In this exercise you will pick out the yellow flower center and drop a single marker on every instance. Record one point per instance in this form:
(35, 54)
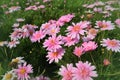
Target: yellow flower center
(76, 28)
(104, 26)
(22, 71)
(84, 72)
(8, 76)
(55, 54)
(112, 43)
(53, 30)
(15, 60)
(93, 31)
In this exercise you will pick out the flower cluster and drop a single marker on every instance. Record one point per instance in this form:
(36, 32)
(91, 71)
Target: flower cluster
(20, 72)
(104, 8)
(82, 71)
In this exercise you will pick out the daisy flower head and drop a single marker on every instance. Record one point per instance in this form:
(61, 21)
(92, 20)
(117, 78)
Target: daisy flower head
(18, 60)
(111, 44)
(89, 46)
(66, 18)
(55, 55)
(41, 7)
(14, 8)
(16, 25)
(41, 77)
(37, 36)
(53, 30)
(84, 71)
(92, 33)
(69, 41)
(23, 71)
(53, 43)
(66, 72)
(17, 34)
(20, 20)
(9, 75)
(104, 25)
(117, 21)
(77, 29)
(12, 43)
(28, 30)
(78, 51)
(45, 27)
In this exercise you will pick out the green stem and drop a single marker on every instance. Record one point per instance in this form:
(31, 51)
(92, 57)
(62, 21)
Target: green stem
(92, 59)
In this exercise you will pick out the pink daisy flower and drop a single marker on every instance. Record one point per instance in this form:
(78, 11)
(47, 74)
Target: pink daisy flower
(20, 20)
(34, 7)
(113, 44)
(66, 18)
(23, 71)
(53, 30)
(14, 8)
(78, 51)
(12, 44)
(55, 55)
(45, 27)
(41, 6)
(41, 77)
(104, 25)
(28, 30)
(84, 71)
(117, 21)
(66, 72)
(77, 29)
(106, 62)
(92, 33)
(69, 41)
(89, 46)
(37, 36)
(46, 1)
(16, 25)
(53, 43)
(17, 34)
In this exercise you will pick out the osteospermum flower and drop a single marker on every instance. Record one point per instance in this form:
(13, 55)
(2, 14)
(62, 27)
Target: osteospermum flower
(41, 77)
(77, 29)
(69, 41)
(37, 36)
(20, 20)
(55, 55)
(53, 43)
(92, 33)
(18, 60)
(14, 8)
(117, 21)
(113, 44)
(15, 25)
(89, 46)
(78, 51)
(104, 25)
(66, 18)
(23, 71)
(13, 44)
(17, 34)
(66, 72)
(28, 30)
(53, 30)
(84, 71)
(9, 75)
